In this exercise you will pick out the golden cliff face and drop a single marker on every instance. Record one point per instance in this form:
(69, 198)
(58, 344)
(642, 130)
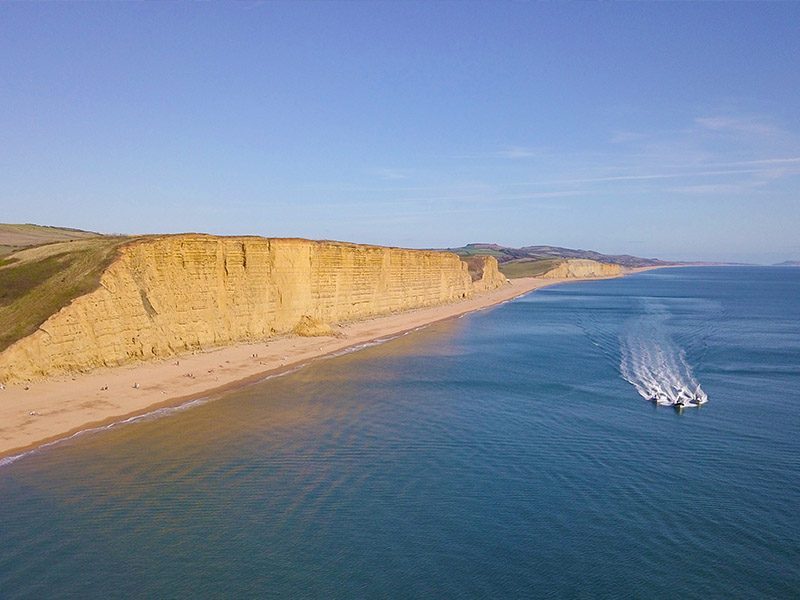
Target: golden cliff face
(580, 268)
(174, 294)
(485, 273)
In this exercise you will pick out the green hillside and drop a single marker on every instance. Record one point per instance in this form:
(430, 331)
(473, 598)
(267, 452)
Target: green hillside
(527, 267)
(18, 236)
(504, 254)
(37, 282)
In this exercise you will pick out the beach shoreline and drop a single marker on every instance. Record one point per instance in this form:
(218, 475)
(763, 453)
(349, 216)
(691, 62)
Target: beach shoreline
(42, 413)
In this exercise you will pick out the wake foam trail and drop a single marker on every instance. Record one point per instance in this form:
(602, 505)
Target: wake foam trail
(655, 365)
(648, 339)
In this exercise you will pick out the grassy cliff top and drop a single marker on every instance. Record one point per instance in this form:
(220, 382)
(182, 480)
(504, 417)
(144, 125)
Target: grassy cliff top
(38, 281)
(528, 268)
(17, 236)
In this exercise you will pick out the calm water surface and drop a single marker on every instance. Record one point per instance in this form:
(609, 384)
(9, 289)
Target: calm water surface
(499, 455)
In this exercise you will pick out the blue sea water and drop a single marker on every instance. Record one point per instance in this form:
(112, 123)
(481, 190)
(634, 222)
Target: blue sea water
(507, 454)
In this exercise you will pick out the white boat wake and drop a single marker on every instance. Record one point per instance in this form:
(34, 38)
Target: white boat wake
(656, 366)
(650, 341)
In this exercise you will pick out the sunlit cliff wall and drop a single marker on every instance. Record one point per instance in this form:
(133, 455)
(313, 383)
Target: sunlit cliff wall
(579, 268)
(173, 294)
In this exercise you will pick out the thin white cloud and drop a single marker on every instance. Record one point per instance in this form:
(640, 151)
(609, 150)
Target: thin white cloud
(767, 161)
(712, 154)
(711, 188)
(253, 4)
(744, 125)
(498, 196)
(625, 137)
(651, 176)
(763, 170)
(470, 199)
(516, 152)
(392, 174)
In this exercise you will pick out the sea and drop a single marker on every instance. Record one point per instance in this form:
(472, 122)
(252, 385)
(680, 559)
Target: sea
(511, 453)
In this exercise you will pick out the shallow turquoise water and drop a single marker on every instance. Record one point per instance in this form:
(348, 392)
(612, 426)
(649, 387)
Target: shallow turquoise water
(498, 455)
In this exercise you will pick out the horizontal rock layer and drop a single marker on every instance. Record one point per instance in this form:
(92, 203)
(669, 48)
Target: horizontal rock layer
(173, 294)
(583, 268)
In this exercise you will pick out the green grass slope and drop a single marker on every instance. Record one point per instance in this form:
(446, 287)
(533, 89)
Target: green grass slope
(528, 268)
(39, 281)
(17, 236)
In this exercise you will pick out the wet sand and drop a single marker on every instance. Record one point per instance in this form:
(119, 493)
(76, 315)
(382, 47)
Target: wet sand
(40, 412)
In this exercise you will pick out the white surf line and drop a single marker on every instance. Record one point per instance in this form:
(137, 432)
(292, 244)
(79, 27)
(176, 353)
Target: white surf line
(164, 411)
(158, 413)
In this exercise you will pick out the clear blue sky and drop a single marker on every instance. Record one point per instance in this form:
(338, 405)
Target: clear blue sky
(669, 129)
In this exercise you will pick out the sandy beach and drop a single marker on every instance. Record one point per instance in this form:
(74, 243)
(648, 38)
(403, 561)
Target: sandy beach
(41, 412)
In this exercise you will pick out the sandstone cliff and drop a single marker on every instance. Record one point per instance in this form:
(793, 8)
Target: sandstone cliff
(484, 273)
(578, 268)
(169, 295)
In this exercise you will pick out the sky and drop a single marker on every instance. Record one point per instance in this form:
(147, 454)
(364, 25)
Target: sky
(669, 130)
